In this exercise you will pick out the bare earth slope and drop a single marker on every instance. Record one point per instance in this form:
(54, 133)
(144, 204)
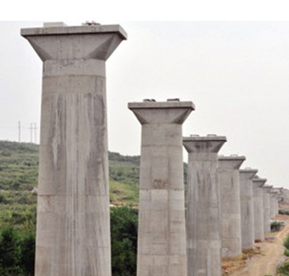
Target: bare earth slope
(272, 254)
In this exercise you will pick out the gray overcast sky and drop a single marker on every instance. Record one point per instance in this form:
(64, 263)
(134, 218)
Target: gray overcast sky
(236, 73)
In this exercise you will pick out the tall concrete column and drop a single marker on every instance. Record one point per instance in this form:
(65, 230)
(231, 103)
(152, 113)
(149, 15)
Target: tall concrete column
(203, 205)
(73, 225)
(266, 208)
(276, 202)
(258, 208)
(230, 205)
(247, 207)
(273, 200)
(162, 228)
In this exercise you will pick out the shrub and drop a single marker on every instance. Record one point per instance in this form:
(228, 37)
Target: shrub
(286, 243)
(9, 252)
(283, 270)
(286, 252)
(27, 253)
(276, 226)
(123, 241)
(283, 212)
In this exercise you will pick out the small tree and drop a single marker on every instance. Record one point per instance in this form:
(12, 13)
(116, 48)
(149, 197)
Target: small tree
(27, 253)
(123, 241)
(9, 252)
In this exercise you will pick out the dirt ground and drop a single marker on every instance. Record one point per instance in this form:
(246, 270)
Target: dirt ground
(264, 258)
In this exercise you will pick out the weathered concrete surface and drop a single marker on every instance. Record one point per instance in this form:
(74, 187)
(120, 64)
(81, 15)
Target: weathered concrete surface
(230, 205)
(203, 205)
(266, 208)
(247, 207)
(162, 229)
(258, 207)
(73, 226)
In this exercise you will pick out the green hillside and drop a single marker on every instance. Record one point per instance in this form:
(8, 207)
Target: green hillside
(18, 177)
(19, 167)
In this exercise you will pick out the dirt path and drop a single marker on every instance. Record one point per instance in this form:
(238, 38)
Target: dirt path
(272, 254)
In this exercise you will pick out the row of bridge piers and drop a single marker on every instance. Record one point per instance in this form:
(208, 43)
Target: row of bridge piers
(182, 230)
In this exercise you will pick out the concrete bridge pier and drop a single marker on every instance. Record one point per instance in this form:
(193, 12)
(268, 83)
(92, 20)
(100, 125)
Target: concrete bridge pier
(203, 205)
(258, 207)
(162, 249)
(230, 205)
(247, 207)
(73, 225)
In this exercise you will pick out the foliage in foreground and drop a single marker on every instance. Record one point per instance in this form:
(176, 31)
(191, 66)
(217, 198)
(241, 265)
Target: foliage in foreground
(17, 252)
(283, 212)
(276, 226)
(283, 270)
(286, 243)
(17, 245)
(124, 222)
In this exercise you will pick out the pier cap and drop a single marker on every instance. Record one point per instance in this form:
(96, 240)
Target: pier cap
(273, 193)
(209, 143)
(153, 104)
(277, 190)
(56, 41)
(233, 161)
(259, 182)
(60, 28)
(267, 188)
(248, 172)
(151, 111)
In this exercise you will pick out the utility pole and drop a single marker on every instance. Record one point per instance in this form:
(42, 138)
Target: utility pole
(19, 131)
(31, 132)
(35, 133)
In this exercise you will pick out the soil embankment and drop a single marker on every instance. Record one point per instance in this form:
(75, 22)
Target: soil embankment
(271, 254)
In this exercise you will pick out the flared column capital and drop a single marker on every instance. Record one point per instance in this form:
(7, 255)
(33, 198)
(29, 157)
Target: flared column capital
(63, 42)
(258, 182)
(248, 173)
(267, 188)
(170, 112)
(273, 193)
(231, 162)
(204, 144)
